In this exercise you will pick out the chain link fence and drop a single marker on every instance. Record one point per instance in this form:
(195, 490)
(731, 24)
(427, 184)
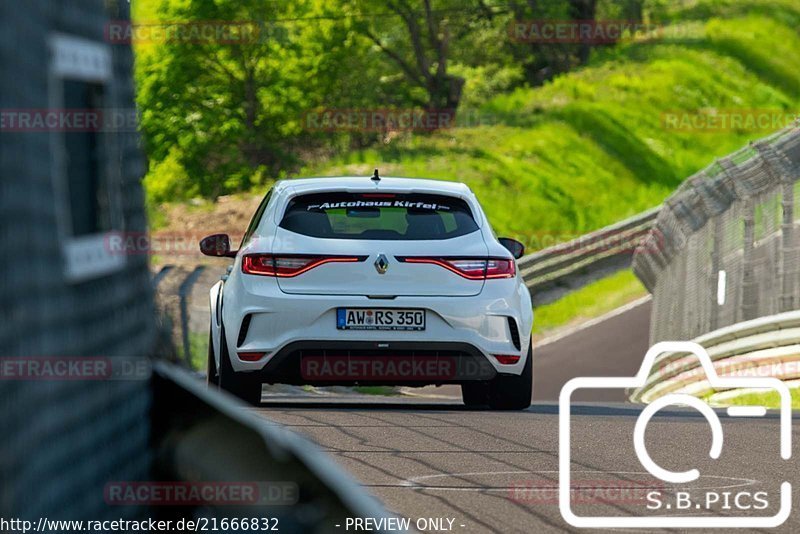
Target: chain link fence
(64, 439)
(725, 247)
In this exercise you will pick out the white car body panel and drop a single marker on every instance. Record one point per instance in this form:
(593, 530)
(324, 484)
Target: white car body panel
(214, 302)
(360, 279)
(301, 308)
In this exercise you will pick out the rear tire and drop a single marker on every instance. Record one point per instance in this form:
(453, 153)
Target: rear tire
(212, 378)
(246, 386)
(513, 392)
(475, 394)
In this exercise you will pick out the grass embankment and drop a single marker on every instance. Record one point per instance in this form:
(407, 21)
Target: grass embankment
(770, 400)
(591, 147)
(198, 348)
(588, 302)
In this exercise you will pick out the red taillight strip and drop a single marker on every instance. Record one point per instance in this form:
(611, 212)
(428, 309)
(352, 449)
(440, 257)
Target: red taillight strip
(511, 273)
(506, 359)
(251, 356)
(442, 263)
(445, 262)
(248, 266)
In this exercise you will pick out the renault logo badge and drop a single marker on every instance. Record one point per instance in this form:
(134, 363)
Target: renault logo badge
(381, 264)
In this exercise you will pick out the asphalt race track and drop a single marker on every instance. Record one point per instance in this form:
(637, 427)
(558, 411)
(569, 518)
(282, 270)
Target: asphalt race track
(498, 471)
(612, 347)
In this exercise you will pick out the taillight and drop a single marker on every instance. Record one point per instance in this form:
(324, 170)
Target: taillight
(286, 266)
(471, 268)
(507, 359)
(251, 356)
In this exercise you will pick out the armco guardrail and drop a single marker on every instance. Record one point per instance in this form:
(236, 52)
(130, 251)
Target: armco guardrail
(200, 435)
(549, 274)
(767, 346)
(725, 247)
(553, 272)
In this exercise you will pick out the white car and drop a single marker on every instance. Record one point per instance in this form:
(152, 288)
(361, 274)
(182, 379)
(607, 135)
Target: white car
(372, 281)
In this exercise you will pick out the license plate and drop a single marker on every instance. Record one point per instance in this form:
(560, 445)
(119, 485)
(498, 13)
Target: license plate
(379, 319)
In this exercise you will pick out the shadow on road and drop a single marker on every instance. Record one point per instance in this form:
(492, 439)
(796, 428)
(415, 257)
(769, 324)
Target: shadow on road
(548, 408)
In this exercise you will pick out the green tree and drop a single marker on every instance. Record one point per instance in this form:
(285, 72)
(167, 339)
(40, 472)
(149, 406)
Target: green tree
(420, 46)
(224, 109)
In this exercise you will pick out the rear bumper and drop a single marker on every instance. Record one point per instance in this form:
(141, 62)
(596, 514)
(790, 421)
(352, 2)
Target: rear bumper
(288, 327)
(376, 363)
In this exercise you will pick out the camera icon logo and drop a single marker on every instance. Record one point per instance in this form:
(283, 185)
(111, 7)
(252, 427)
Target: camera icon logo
(717, 382)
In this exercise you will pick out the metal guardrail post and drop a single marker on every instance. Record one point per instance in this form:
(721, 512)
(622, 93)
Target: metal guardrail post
(730, 210)
(749, 305)
(183, 291)
(161, 274)
(713, 282)
(788, 257)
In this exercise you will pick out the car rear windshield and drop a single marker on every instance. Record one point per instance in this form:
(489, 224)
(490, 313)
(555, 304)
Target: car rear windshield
(378, 216)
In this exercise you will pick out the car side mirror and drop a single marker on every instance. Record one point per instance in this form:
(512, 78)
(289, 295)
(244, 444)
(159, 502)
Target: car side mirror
(217, 245)
(516, 248)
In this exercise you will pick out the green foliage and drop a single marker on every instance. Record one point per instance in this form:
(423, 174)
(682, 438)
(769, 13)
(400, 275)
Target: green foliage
(483, 82)
(223, 112)
(770, 400)
(167, 179)
(591, 147)
(786, 12)
(744, 39)
(198, 348)
(383, 391)
(590, 301)
(550, 162)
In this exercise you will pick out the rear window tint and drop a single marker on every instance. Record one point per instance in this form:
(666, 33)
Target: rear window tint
(382, 216)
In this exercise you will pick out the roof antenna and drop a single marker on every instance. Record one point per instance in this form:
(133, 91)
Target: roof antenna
(375, 177)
